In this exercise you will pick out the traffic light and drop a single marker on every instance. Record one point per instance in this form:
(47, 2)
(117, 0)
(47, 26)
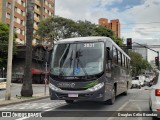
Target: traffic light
(129, 43)
(157, 61)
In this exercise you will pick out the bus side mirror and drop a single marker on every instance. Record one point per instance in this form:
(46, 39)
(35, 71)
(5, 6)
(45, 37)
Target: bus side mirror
(47, 57)
(108, 53)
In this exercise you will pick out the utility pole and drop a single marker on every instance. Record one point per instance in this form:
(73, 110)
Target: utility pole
(10, 52)
(158, 59)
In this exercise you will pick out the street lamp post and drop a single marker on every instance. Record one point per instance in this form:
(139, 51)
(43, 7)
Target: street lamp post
(10, 50)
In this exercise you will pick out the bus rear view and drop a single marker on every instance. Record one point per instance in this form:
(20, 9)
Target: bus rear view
(76, 70)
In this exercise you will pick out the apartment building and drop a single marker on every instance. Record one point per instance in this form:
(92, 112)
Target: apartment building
(42, 10)
(113, 25)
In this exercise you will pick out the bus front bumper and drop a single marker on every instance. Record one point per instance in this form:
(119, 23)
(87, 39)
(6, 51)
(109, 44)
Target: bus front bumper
(88, 94)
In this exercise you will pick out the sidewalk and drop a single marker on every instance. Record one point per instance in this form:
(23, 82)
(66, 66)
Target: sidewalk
(38, 93)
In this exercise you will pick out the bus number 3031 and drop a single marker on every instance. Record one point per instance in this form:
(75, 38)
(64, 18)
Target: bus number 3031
(89, 45)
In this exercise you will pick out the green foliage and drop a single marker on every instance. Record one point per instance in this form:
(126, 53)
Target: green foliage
(55, 28)
(85, 28)
(4, 37)
(118, 41)
(138, 63)
(103, 31)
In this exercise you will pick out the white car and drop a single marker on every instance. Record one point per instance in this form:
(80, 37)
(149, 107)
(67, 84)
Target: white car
(136, 83)
(154, 100)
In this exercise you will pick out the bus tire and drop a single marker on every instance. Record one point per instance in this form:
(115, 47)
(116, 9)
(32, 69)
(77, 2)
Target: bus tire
(69, 101)
(113, 97)
(126, 92)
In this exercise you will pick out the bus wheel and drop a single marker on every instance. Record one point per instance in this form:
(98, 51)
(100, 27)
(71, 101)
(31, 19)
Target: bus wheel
(69, 101)
(113, 97)
(125, 93)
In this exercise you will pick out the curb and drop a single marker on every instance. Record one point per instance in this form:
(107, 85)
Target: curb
(22, 101)
(33, 85)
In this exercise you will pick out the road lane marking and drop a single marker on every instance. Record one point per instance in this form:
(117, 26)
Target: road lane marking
(31, 106)
(112, 116)
(121, 108)
(139, 100)
(53, 107)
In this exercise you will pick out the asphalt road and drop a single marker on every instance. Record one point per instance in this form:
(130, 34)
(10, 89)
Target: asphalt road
(136, 100)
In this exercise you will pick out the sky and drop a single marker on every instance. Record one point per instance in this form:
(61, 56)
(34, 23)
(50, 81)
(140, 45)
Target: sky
(139, 19)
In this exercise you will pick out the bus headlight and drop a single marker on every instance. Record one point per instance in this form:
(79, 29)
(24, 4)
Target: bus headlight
(53, 87)
(96, 87)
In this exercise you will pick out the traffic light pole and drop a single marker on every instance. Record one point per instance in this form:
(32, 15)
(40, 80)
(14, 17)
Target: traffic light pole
(151, 50)
(158, 59)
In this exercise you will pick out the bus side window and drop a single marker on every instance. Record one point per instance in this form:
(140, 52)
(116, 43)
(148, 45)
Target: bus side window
(108, 60)
(108, 53)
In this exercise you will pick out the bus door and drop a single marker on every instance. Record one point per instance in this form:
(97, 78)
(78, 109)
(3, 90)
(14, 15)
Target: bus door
(108, 71)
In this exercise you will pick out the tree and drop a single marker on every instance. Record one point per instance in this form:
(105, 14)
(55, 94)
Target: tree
(138, 63)
(4, 37)
(85, 28)
(118, 41)
(55, 28)
(103, 31)
(26, 90)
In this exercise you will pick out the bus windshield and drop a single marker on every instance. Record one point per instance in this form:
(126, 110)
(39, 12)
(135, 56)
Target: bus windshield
(81, 59)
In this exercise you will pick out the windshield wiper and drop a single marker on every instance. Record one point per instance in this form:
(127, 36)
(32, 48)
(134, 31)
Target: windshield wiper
(61, 73)
(71, 58)
(79, 62)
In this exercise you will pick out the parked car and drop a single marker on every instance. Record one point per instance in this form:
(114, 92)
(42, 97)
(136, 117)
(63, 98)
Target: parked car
(136, 83)
(2, 83)
(148, 81)
(154, 99)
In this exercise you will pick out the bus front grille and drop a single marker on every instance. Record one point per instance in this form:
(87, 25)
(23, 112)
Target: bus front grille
(73, 89)
(80, 96)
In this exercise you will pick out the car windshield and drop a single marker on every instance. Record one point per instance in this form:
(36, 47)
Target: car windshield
(80, 59)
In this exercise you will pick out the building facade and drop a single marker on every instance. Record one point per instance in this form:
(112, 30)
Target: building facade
(42, 10)
(113, 25)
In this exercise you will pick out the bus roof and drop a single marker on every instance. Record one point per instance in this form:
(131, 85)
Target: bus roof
(92, 38)
(81, 39)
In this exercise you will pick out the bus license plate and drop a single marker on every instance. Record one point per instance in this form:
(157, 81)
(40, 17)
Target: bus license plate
(73, 95)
